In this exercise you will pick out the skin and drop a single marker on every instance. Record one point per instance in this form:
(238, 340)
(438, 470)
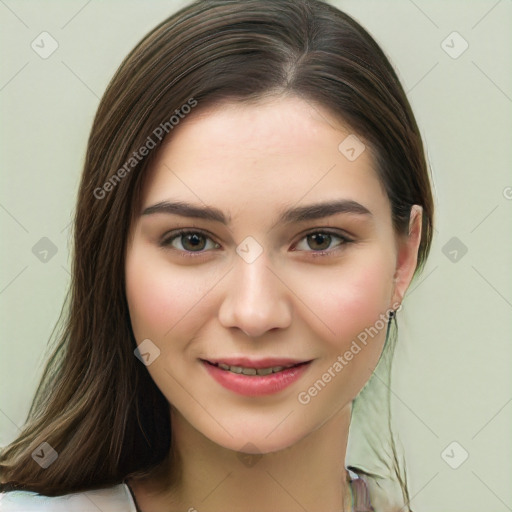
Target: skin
(252, 161)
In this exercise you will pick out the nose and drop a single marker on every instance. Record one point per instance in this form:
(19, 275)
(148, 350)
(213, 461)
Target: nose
(257, 299)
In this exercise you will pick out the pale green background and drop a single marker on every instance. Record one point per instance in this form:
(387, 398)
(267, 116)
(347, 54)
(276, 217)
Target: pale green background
(453, 374)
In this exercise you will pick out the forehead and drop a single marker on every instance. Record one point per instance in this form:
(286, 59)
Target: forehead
(277, 151)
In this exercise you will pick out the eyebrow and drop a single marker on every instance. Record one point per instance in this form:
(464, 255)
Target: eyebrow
(299, 214)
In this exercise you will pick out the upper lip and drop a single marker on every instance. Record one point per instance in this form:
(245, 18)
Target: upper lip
(268, 362)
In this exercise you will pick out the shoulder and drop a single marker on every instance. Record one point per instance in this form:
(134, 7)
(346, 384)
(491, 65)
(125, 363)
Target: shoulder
(110, 499)
(360, 493)
(374, 492)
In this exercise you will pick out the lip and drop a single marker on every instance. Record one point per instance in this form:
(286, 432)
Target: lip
(256, 385)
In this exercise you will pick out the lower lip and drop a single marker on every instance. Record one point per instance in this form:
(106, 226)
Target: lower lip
(256, 385)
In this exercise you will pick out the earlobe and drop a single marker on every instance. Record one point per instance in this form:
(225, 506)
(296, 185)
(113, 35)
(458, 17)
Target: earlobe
(407, 255)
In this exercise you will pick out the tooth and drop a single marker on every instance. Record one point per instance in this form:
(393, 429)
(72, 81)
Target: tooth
(252, 371)
(264, 371)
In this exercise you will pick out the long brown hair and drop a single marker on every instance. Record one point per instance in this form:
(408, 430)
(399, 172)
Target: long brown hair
(96, 404)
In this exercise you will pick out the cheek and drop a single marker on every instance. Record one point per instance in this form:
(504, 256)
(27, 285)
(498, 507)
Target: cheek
(158, 298)
(353, 308)
(168, 303)
(147, 301)
(353, 298)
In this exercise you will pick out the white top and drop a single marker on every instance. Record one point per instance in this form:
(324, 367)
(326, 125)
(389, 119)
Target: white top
(117, 498)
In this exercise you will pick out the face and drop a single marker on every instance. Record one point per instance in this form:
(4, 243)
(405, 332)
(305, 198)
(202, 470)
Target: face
(264, 280)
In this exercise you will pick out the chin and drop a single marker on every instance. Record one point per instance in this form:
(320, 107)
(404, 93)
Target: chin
(258, 441)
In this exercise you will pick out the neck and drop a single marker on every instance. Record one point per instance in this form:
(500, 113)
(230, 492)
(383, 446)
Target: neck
(309, 475)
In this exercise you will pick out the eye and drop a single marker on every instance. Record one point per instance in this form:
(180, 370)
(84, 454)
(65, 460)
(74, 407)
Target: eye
(321, 241)
(187, 242)
(190, 243)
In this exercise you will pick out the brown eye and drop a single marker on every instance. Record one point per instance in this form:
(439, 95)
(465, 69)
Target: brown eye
(319, 241)
(189, 241)
(193, 242)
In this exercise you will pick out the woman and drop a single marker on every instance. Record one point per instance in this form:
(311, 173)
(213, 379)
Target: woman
(255, 203)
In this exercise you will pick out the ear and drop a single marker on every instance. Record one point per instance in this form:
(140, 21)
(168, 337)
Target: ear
(407, 254)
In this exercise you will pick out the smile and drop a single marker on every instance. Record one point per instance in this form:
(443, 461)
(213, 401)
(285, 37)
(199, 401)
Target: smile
(251, 381)
(253, 371)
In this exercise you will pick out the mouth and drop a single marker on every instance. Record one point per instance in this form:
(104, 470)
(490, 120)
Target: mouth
(256, 378)
(255, 368)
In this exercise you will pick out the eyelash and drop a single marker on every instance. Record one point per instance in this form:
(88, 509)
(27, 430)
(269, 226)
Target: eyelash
(166, 241)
